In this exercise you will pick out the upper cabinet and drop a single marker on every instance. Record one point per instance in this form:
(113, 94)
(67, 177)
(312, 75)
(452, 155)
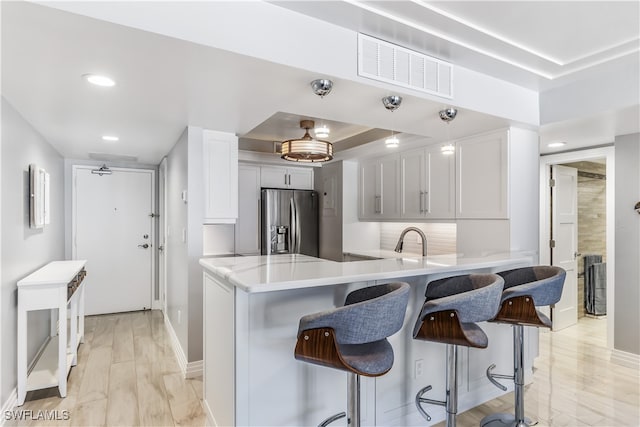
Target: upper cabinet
(485, 179)
(427, 184)
(286, 177)
(220, 156)
(482, 186)
(379, 185)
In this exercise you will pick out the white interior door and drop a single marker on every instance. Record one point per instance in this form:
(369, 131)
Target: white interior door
(113, 231)
(564, 232)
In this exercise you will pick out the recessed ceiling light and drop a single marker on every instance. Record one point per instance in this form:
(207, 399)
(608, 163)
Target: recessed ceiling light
(110, 138)
(556, 144)
(99, 80)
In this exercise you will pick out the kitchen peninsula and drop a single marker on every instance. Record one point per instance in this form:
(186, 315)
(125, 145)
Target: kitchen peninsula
(252, 306)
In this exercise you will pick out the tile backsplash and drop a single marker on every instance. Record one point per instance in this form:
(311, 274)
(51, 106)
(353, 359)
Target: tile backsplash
(441, 237)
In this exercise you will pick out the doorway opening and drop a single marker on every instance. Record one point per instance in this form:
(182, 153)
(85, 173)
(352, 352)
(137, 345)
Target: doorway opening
(592, 289)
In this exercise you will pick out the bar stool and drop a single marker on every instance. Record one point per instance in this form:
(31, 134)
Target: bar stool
(353, 338)
(449, 315)
(524, 290)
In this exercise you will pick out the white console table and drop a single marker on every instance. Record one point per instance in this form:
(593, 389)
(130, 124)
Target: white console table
(57, 285)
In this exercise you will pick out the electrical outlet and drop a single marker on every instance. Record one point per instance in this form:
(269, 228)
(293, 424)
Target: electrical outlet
(179, 317)
(417, 371)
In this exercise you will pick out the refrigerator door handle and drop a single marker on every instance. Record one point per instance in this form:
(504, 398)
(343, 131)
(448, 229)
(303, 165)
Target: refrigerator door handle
(293, 226)
(298, 235)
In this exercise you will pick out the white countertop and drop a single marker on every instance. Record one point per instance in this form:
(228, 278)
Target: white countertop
(293, 271)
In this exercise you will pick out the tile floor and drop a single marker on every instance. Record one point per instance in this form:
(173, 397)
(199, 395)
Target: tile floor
(127, 376)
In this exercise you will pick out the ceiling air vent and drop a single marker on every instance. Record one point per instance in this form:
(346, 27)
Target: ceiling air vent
(389, 63)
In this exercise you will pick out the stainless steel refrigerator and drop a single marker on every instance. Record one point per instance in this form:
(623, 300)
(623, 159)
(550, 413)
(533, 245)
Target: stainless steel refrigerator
(289, 221)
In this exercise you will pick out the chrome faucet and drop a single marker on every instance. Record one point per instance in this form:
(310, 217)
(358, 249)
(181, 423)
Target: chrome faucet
(401, 240)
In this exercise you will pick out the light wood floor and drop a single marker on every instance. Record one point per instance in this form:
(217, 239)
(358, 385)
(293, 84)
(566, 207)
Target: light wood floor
(127, 376)
(574, 383)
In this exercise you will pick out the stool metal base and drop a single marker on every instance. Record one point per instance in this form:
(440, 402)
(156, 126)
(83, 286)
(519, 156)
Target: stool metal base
(353, 404)
(505, 420)
(451, 400)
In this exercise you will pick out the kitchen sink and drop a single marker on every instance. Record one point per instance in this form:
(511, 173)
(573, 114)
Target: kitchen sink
(348, 257)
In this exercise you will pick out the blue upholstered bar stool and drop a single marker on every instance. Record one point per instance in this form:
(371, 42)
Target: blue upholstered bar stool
(449, 315)
(353, 338)
(524, 290)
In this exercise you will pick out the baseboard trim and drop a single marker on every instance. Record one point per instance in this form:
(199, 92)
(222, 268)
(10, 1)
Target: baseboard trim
(175, 345)
(623, 358)
(194, 369)
(9, 404)
(188, 369)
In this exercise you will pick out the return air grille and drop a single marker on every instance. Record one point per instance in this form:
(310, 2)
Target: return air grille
(389, 63)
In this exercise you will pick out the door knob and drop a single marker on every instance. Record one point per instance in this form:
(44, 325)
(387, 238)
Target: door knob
(145, 246)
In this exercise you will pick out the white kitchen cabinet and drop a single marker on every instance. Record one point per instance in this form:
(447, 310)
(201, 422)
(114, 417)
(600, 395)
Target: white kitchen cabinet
(482, 166)
(427, 184)
(247, 231)
(220, 156)
(379, 184)
(286, 177)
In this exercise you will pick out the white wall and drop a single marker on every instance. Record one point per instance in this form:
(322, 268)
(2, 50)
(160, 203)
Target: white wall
(24, 249)
(176, 248)
(185, 241)
(627, 261)
(195, 208)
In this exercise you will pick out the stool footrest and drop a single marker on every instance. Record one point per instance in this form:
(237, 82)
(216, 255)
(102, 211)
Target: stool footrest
(492, 377)
(420, 400)
(331, 419)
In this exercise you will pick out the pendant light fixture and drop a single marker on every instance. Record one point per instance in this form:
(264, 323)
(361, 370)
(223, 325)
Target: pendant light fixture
(447, 115)
(392, 103)
(307, 149)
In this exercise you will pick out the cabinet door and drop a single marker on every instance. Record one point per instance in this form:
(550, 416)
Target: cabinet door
(247, 231)
(369, 197)
(440, 199)
(482, 168)
(273, 177)
(413, 184)
(390, 183)
(300, 178)
(220, 155)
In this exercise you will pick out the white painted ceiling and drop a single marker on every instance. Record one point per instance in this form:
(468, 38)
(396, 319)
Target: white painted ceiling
(531, 43)
(165, 84)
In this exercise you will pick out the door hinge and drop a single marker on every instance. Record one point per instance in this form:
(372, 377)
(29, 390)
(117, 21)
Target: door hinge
(154, 215)
(552, 182)
(552, 243)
